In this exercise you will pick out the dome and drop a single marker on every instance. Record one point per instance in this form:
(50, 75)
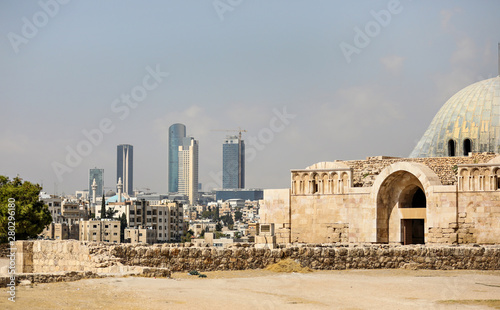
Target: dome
(468, 122)
(110, 193)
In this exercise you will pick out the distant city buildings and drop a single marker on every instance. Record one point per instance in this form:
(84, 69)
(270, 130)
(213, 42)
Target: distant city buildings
(105, 230)
(233, 163)
(176, 133)
(188, 169)
(125, 167)
(97, 175)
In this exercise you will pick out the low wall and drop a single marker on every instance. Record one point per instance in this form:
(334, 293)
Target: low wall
(55, 256)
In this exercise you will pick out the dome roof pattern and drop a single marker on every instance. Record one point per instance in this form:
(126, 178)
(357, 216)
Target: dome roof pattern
(468, 122)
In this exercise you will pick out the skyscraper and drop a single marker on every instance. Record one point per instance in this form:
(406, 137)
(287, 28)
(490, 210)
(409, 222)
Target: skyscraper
(176, 133)
(125, 167)
(98, 175)
(233, 163)
(188, 169)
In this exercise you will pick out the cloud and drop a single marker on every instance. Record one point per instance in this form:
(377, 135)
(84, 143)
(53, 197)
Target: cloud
(393, 64)
(446, 18)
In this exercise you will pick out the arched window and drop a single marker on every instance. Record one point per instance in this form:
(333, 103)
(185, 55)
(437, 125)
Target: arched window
(451, 148)
(467, 147)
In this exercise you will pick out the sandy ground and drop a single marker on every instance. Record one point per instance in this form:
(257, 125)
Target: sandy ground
(258, 289)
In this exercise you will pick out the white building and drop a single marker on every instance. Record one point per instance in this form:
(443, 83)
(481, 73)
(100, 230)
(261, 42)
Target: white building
(188, 169)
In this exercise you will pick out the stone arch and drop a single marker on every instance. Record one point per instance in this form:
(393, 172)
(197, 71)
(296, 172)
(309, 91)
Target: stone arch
(335, 183)
(497, 178)
(314, 184)
(304, 186)
(345, 183)
(296, 184)
(474, 179)
(394, 187)
(463, 183)
(324, 183)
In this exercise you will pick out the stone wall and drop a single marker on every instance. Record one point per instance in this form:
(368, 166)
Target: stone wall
(365, 171)
(239, 257)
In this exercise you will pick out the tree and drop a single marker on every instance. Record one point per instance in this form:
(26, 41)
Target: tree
(103, 207)
(110, 213)
(228, 220)
(29, 215)
(123, 225)
(187, 236)
(238, 215)
(218, 226)
(216, 217)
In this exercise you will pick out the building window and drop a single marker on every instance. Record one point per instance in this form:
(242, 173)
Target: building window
(451, 148)
(159, 235)
(95, 226)
(115, 234)
(94, 233)
(467, 147)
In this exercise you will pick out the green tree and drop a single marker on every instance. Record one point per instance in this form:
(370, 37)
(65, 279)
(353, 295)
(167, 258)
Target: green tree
(216, 217)
(110, 213)
(123, 225)
(238, 215)
(228, 220)
(31, 215)
(103, 207)
(187, 236)
(218, 226)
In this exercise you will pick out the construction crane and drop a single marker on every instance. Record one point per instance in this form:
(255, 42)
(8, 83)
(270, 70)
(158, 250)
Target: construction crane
(239, 130)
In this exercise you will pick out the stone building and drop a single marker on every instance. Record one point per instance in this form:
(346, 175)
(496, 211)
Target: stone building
(424, 199)
(105, 230)
(140, 235)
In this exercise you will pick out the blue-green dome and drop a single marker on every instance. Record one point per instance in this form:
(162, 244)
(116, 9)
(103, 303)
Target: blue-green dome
(468, 122)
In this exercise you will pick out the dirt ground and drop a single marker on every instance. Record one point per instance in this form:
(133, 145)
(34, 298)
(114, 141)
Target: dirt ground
(260, 289)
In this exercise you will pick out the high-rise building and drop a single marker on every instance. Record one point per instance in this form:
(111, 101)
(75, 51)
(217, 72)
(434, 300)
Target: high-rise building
(97, 175)
(188, 169)
(233, 163)
(125, 167)
(176, 133)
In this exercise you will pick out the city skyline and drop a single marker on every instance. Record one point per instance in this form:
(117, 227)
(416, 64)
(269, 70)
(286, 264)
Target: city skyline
(309, 82)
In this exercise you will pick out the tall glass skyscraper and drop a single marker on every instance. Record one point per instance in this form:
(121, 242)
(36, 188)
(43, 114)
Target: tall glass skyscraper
(233, 163)
(188, 169)
(176, 133)
(98, 175)
(125, 167)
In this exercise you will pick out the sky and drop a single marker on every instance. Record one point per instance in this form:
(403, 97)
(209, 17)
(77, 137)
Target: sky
(309, 81)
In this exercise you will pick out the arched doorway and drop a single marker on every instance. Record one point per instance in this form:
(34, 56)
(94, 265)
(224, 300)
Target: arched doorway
(412, 227)
(401, 209)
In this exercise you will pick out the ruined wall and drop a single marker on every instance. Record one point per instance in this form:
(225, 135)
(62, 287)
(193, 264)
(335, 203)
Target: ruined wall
(365, 171)
(316, 256)
(333, 218)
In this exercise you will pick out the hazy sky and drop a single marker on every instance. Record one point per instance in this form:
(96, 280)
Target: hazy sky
(352, 79)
